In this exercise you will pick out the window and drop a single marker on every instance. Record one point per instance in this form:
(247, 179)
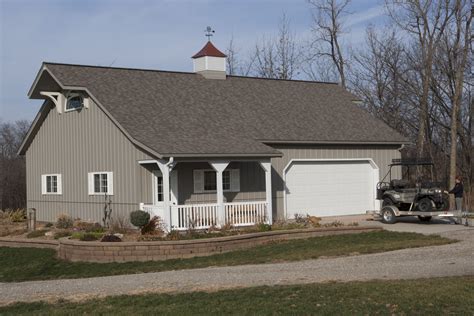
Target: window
(205, 181)
(74, 102)
(226, 180)
(100, 183)
(51, 184)
(210, 183)
(159, 188)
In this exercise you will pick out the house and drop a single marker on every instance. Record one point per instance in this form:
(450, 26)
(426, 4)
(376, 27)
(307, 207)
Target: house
(200, 148)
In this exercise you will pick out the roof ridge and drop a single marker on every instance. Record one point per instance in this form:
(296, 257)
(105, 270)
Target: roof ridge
(184, 72)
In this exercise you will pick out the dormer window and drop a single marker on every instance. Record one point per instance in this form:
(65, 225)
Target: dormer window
(74, 102)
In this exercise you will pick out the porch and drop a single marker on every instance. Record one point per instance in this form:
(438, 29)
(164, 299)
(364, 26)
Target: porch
(199, 194)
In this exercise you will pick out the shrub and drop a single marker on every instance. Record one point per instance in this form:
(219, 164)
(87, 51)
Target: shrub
(139, 218)
(36, 233)
(88, 226)
(110, 238)
(89, 237)
(119, 224)
(153, 227)
(64, 221)
(334, 224)
(262, 227)
(61, 234)
(47, 225)
(84, 236)
(174, 235)
(18, 215)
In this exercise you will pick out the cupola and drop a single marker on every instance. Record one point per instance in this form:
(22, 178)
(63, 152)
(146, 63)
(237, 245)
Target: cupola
(210, 62)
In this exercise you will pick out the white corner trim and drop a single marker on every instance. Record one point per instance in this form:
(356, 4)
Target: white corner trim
(370, 160)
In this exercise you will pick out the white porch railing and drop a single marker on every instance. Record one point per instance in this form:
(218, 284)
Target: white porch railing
(203, 216)
(153, 210)
(245, 213)
(197, 216)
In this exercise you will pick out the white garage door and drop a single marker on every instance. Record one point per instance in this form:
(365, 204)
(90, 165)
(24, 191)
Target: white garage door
(330, 188)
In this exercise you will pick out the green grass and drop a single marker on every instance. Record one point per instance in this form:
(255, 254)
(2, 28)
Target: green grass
(443, 296)
(23, 264)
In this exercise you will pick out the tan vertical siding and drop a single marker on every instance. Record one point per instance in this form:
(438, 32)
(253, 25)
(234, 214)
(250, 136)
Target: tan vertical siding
(73, 144)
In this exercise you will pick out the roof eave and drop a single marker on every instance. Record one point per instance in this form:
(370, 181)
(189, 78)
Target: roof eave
(220, 155)
(318, 142)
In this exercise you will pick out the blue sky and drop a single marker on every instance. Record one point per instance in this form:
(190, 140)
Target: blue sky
(138, 33)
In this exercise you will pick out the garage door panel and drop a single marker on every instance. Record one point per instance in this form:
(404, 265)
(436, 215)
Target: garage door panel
(330, 188)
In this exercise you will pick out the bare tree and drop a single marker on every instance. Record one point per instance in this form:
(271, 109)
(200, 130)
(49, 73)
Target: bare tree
(425, 21)
(449, 89)
(328, 18)
(12, 167)
(378, 76)
(278, 57)
(232, 60)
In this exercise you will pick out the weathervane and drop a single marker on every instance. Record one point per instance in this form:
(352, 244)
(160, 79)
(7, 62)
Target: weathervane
(209, 32)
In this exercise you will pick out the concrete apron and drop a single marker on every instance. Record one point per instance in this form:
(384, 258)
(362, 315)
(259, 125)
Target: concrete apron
(404, 224)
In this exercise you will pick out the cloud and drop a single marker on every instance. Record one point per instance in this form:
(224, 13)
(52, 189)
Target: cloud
(365, 16)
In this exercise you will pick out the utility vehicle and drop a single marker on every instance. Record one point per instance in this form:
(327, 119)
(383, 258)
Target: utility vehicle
(416, 194)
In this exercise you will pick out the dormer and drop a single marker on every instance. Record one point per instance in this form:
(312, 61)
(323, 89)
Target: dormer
(67, 101)
(210, 62)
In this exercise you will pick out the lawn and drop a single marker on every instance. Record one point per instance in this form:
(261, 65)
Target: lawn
(23, 264)
(442, 296)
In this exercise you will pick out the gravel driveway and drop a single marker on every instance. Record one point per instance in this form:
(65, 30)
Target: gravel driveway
(448, 260)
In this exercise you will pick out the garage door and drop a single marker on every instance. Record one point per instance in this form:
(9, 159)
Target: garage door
(330, 188)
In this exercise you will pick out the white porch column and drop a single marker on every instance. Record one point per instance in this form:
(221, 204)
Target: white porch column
(219, 167)
(267, 167)
(165, 168)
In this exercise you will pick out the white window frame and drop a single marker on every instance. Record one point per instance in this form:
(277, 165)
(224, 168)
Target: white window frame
(44, 186)
(199, 185)
(110, 182)
(73, 95)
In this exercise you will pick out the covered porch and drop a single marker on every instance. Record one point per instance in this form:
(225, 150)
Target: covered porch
(198, 194)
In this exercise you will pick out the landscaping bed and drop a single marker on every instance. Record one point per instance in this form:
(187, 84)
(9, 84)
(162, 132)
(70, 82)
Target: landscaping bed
(141, 227)
(23, 264)
(165, 249)
(439, 296)
(12, 222)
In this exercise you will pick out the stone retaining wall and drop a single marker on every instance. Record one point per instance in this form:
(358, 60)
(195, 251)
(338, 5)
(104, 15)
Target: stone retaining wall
(75, 250)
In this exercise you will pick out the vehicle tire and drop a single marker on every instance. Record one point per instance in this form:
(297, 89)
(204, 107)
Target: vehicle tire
(387, 201)
(388, 215)
(425, 205)
(444, 205)
(424, 218)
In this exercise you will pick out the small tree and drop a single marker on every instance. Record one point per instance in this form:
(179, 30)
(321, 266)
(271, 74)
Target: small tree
(139, 218)
(107, 210)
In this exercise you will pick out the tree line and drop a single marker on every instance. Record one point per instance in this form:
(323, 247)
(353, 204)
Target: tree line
(12, 166)
(414, 72)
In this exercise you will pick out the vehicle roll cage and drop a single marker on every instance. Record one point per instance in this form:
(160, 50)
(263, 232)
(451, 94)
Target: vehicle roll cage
(409, 162)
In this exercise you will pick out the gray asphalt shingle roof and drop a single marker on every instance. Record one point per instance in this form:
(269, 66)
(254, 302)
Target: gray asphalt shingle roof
(184, 113)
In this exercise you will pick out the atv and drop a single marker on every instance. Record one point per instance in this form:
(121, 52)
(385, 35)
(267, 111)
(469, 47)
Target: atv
(419, 195)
